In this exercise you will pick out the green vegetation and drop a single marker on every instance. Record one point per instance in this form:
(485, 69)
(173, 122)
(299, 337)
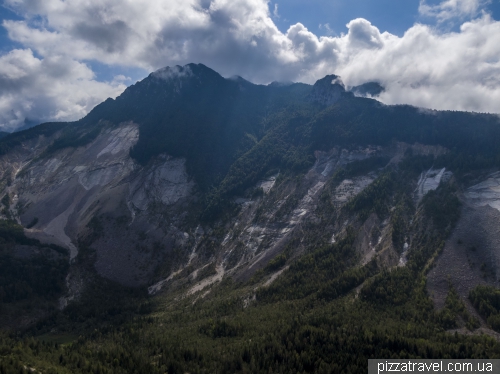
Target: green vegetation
(443, 206)
(486, 300)
(319, 270)
(454, 307)
(207, 271)
(75, 135)
(22, 279)
(357, 168)
(375, 198)
(6, 203)
(295, 134)
(32, 275)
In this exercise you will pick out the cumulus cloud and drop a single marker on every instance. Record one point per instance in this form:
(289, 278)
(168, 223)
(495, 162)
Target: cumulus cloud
(428, 69)
(425, 67)
(48, 89)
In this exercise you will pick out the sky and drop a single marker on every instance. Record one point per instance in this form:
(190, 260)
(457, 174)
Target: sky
(60, 58)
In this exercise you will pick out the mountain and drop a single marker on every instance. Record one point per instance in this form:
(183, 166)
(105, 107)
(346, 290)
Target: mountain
(293, 227)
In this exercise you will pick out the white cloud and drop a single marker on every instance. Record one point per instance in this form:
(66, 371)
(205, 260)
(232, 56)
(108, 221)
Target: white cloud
(363, 35)
(48, 89)
(442, 71)
(450, 9)
(424, 67)
(275, 11)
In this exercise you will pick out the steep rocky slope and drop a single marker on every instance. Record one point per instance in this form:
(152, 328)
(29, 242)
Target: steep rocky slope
(99, 188)
(471, 254)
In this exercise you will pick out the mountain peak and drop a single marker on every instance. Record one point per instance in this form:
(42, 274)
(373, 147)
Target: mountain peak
(328, 90)
(180, 72)
(330, 80)
(168, 73)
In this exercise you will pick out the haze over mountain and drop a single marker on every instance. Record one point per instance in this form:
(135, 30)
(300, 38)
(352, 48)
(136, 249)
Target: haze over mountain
(295, 227)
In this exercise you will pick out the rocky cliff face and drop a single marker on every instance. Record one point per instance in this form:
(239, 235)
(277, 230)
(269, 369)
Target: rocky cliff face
(471, 255)
(328, 90)
(99, 191)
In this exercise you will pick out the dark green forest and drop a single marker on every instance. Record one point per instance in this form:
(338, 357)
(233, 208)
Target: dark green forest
(21, 276)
